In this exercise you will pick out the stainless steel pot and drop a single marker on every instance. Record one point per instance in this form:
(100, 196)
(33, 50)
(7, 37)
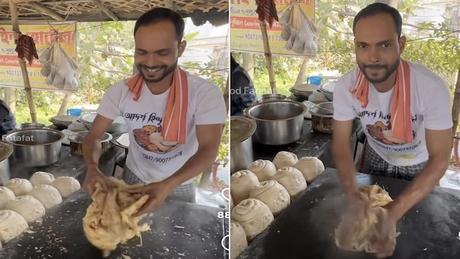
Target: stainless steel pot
(278, 122)
(322, 119)
(271, 97)
(241, 153)
(76, 142)
(27, 125)
(118, 125)
(35, 147)
(5, 152)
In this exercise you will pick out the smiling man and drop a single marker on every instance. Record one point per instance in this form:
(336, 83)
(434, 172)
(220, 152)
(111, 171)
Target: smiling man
(404, 110)
(174, 119)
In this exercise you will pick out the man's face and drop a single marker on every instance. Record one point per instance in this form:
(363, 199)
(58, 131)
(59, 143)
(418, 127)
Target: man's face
(157, 50)
(378, 47)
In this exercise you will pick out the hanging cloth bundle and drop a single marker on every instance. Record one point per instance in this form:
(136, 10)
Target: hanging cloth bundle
(298, 30)
(59, 68)
(266, 10)
(25, 47)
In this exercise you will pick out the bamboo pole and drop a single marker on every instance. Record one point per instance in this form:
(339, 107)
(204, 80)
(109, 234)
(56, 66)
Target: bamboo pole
(22, 62)
(268, 56)
(301, 76)
(63, 108)
(456, 104)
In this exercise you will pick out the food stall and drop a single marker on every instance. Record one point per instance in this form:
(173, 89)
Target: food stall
(177, 230)
(266, 223)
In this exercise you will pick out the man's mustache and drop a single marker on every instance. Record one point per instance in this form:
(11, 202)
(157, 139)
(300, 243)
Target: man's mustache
(155, 67)
(374, 66)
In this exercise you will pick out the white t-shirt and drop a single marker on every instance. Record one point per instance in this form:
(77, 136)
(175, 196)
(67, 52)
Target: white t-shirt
(430, 109)
(143, 118)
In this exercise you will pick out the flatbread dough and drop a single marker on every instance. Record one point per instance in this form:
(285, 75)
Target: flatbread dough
(238, 239)
(12, 224)
(358, 237)
(66, 185)
(5, 195)
(19, 186)
(273, 194)
(241, 184)
(263, 169)
(29, 207)
(311, 167)
(48, 195)
(285, 158)
(292, 179)
(109, 218)
(41, 178)
(253, 215)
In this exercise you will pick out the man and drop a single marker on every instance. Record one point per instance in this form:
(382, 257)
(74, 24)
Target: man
(405, 111)
(175, 119)
(242, 93)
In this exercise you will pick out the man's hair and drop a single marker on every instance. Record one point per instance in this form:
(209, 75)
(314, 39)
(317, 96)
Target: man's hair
(378, 8)
(159, 14)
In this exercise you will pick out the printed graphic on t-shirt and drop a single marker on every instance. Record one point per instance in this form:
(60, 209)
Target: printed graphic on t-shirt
(149, 137)
(378, 125)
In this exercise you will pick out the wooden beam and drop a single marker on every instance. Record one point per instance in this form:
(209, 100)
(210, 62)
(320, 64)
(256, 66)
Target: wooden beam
(22, 62)
(105, 10)
(45, 10)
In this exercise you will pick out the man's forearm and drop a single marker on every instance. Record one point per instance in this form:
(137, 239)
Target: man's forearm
(420, 187)
(199, 162)
(345, 167)
(92, 150)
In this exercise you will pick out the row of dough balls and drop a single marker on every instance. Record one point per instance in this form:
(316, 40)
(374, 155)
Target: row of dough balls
(264, 191)
(23, 201)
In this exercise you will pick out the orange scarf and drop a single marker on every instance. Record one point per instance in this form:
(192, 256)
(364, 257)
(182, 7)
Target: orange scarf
(401, 123)
(174, 119)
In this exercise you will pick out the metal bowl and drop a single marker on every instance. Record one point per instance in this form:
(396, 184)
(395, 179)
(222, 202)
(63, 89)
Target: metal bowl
(35, 147)
(76, 142)
(278, 122)
(5, 152)
(322, 118)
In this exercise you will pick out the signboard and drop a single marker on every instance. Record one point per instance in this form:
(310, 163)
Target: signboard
(43, 35)
(245, 29)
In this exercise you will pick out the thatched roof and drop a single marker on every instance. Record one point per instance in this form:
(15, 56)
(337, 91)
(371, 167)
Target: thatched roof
(200, 11)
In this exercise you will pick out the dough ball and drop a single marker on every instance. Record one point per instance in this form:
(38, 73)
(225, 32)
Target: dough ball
(12, 224)
(29, 207)
(292, 179)
(273, 194)
(310, 167)
(66, 185)
(253, 215)
(19, 186)
(360, 236)
(238, 239)
(41, 178)
(285, 158)
(5, 196)
(263, 169)
(241, 183)
(48, 195)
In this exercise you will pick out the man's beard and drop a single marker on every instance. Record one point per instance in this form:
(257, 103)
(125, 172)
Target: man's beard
(389, 69)
(166, 71)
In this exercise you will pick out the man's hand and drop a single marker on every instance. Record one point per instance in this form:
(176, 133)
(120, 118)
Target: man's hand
(385, 238)
(93, 175)
(157, 192)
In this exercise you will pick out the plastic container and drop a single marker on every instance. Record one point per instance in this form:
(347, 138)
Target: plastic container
(314, 80)
(76, 112)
